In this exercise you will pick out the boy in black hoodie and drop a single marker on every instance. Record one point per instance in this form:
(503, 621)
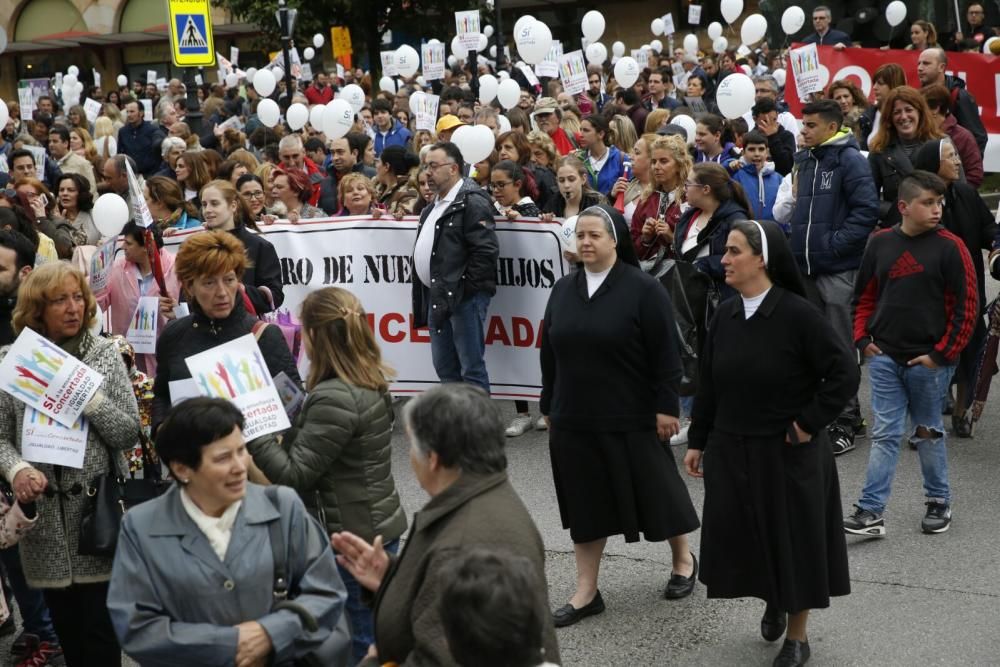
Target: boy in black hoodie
(916, 304)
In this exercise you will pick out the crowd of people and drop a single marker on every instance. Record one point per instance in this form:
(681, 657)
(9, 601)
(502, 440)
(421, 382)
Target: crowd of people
(803, 247)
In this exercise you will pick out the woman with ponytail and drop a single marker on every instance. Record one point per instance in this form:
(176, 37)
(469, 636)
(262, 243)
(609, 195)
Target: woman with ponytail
(338, 456)
(598, 152)
(713, 142)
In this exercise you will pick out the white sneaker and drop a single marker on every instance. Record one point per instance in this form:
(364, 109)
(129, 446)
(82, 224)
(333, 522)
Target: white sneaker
(681, 438)
(520, 425)
(540, 425)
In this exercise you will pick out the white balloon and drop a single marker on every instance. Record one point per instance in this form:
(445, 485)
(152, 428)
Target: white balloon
(4, 114)
(268, 112)
(597, 53)
(122, 80)
(407, 60)
(792, 20)
(656, 27)
(297, 116)
(753, 29)
(421, 81)
(656, 45)
(316, 116)
(895, 12)
(278, 74)
(626, 71)
(69, 80)
(720, 45)
(482, 43)
(503, 124)
(309, 53)
(779, 77)
(522, 22)
(687, 122)
(746, 70)
(452, 62)
(74, 70)
(488, 86)
(503, 74)
(988, 44)
(434, 42)
(387, 84)
(645, 47)
(493, 51)
(249, 74)
(264, 82)
(592, 25)
(479, 143)
(110, 214)
(457, 49)
(533, 42)
(415, 99)
(318, 40)
(714, 30)
(232, 80)
(488, 31)
(618, 49)
(735, 95)
(354, 95)
(691, 43)
(731, 10)
(567, 234)
(824, 76)
(508, 93)
(338, 118)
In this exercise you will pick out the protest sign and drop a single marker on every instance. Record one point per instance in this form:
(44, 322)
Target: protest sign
(549, 67)
(100, 266)
(806, 69)
(142, 329)
(44, 440)
(41, 374)
(432, 61)
(694, 14)
(237, 372)
(427, 111)
(467, 28)
(573, 72)
(92, 108)
(388, 59)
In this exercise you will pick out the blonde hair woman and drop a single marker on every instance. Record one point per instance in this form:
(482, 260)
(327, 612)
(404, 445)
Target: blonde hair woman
(105, 142)
(624, 132)
(662, 200)
(81, 144)
(338, 457)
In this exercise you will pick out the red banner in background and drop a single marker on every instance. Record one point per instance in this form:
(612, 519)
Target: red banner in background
(980, 72)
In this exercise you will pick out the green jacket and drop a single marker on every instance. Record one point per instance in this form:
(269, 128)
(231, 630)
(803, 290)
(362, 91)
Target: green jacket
(338, 457)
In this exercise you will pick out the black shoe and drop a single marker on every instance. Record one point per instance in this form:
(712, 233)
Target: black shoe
(961, 426)
(949, 404)
(568, 614)
(680, 586)
(864, 522)
(792, 654)
(772, 623)
(841, 439)
(937, 519)
(860, 428)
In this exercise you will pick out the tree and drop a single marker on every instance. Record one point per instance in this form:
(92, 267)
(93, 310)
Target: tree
(368, 19)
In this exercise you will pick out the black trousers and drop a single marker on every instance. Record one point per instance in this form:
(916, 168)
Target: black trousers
(80, 616)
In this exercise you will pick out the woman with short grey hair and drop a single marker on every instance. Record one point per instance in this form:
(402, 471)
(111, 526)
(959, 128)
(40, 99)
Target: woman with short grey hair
(456, 451)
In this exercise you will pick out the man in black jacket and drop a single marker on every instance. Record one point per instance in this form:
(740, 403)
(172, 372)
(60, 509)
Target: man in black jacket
(931, 69)
(454, 262)
(780, 142)
(16, 259)
(140, 140)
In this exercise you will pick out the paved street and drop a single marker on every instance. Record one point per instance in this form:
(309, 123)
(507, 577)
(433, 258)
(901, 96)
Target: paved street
(917, 599)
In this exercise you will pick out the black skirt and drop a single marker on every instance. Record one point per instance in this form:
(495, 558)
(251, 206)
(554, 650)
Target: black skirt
(773, 527)
(619, 484)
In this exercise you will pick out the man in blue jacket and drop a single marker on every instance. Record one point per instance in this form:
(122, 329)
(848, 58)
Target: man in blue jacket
(140, 140)
(388, 130)
(836, 209)
(825, 35)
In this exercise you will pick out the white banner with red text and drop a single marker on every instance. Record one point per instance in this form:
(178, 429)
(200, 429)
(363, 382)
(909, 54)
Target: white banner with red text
(980, 72)
(373, 259)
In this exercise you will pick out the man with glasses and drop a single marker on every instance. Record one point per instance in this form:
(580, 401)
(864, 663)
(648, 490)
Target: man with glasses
(454, 262)
(975, 15)
(825, 35)
(595, 90)
(766, 87)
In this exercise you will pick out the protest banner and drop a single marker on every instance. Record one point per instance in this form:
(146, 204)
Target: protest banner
(41, 374)
(373, 259)
(237, 372)
(806, 70)
(44, 440)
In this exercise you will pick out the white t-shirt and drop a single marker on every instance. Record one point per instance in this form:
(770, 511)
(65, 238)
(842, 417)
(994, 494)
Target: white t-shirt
(595, 280)
(425, 242)
(219, 530)
(751, 305)
(691, 240)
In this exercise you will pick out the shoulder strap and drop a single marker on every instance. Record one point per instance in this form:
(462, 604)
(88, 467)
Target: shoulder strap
(277, 548)
(258, 330)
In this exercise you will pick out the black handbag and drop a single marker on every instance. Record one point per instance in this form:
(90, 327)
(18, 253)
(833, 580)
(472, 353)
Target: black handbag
(335, 651)
(109, 496)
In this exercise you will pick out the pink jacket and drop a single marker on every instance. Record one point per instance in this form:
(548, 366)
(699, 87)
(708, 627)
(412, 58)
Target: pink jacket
(123, 295)
(13, 525)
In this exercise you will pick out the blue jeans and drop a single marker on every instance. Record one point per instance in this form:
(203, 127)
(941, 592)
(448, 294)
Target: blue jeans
(30, 602)
(897, 392)
(458, 348)
(359, 615)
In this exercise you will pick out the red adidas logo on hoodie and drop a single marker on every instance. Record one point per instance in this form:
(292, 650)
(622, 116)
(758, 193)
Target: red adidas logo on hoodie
(906, 265)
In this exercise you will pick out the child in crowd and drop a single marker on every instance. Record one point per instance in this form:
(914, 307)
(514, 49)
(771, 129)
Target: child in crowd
(757, 175)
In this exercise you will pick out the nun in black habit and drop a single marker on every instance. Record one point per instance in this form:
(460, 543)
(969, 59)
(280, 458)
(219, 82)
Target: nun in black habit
(611, 372)
(774, 374)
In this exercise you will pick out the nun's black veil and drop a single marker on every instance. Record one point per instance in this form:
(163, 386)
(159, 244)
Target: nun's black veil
(782, 268)
(625, 249)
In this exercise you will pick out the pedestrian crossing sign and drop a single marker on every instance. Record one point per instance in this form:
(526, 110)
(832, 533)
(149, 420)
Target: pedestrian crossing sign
(191, 33)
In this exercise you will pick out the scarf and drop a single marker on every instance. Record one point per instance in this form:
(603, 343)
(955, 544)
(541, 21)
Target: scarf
(75, 344)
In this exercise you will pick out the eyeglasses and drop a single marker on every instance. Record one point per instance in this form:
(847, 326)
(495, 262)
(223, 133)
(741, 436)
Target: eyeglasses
(500, 185)
(77, 299)
(259, 194)
(975, 11)
(433, 166)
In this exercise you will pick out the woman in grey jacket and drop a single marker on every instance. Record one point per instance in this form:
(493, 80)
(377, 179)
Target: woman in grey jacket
(338, 455)
(195, 581)
(56, 302)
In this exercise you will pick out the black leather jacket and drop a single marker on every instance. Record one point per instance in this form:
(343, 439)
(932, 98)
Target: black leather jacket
(464, 255)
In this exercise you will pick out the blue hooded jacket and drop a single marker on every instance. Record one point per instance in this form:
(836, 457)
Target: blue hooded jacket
(836, 207)
(761, 188)
(610, 172)
(397, 136)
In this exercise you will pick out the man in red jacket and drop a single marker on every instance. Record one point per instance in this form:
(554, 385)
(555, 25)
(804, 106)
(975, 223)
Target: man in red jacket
(320, 92)
(548, 116)
(293, 158)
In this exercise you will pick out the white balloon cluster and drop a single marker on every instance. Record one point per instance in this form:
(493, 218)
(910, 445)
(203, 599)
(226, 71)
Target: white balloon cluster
(72, 87)
(533, 39)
